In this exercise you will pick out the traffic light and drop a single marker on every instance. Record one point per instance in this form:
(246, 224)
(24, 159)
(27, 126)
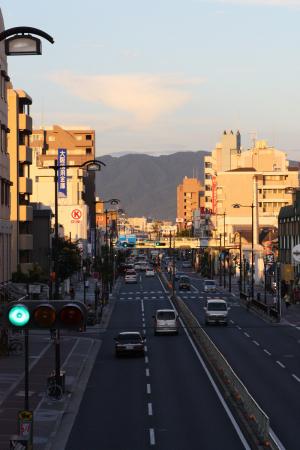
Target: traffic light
(56, 314)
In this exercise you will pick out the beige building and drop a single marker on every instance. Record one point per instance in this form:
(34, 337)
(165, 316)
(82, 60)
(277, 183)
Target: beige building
(21, 213)
(188, 200)
(5, 226)
(258, 176)
(76, 203)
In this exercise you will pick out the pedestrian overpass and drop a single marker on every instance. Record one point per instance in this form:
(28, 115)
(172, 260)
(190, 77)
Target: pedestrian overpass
(166, 242)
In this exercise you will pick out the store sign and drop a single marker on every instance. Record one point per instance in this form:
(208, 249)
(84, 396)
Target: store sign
(296, 253)
(76, 215)
(62, 172)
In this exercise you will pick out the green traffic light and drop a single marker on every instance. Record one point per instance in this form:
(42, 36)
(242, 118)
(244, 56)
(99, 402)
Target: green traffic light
(19, 316)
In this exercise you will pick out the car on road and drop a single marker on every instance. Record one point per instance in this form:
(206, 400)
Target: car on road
(210, 286)
(186, 264)
(150, 272)
(129, 342)
(130, 276)
(216, 311)
(165, 321)
(184, 283)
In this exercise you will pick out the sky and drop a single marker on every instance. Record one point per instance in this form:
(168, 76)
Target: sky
(163, 76)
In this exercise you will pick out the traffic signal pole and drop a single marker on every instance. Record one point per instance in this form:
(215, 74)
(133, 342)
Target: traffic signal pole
(26, 370)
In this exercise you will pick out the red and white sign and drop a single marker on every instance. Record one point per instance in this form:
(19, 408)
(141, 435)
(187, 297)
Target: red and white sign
(76, 215)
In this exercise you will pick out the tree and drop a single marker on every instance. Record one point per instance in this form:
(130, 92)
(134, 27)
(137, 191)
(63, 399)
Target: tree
(69, 258)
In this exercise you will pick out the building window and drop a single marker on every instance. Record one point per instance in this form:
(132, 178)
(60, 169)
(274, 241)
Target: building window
(88, 150)
(78, 137)
(88, 137)
(51, 138)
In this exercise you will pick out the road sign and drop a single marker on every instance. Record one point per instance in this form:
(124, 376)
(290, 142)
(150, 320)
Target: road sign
(25, 425)
(296, 253)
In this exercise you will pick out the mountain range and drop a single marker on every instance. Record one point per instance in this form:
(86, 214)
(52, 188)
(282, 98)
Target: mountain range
(145, 184)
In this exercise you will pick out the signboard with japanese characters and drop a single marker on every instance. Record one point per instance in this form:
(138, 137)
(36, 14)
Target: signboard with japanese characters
(62, 172)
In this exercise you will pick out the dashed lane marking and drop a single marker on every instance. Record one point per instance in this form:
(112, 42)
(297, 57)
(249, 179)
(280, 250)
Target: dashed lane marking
(296, 378)
(150, 410)
(280, 364)
(266, 351)
(146, 348)
(146, 359)
(256, 343)
(147, 372)
(148, 388)
(246, 334)
(152, 436)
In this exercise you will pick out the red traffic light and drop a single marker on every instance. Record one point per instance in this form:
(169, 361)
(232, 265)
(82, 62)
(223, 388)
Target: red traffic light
(71, 316)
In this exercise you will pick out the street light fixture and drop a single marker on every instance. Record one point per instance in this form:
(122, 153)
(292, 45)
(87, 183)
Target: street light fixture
(252, 206)
(18, 41)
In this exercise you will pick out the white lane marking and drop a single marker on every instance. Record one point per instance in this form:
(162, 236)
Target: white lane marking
(144, 326)
(142, 306)
(162, 296)
(233, 295)
(246, 334)
(147, 372)
(146, 298)
(153, 297)
(194, 288)
(256, 343)
(216, 389)
(150, 410)
(122, 298)
(148, 388)
(231, 321)
(297, 328)
(280, 364)
(140, 278)
(144, 331)
(146, 348)
(129, 298)
(296, 378)
(239, 328)
(152, 436)
(164, 289)
(146, 359)
(266, 351)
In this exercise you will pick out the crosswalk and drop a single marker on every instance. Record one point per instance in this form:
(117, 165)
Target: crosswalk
(6, 380)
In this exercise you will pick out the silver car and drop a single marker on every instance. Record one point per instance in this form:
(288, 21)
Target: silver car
(210, 286)
(216, 311)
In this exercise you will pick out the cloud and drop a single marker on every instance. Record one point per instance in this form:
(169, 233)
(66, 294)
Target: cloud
(263, 2)
(145, 97)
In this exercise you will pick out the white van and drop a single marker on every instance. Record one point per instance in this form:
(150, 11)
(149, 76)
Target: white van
(165, 321)
(216, 311)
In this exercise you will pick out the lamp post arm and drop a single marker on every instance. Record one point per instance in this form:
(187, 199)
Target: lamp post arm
(23, 29)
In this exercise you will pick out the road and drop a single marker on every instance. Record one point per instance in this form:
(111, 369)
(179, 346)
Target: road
(265, 356)
(164, 400)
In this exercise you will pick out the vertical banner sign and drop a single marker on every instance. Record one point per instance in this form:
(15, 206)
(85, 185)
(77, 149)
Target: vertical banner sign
(62, 172)
(214, 195)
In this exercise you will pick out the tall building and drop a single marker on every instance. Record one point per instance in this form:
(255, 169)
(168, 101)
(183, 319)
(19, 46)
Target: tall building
(20, 153)
(5, 226)
(188, 200)
(77, 190)
(257, 176)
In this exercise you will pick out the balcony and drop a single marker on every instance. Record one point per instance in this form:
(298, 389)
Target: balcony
(25, 154)
(26, 213)
(25, 123)
(25, 242)
(25, 185)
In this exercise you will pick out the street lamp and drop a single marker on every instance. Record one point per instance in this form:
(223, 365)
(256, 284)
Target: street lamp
(111, 201)
(91, 166)
(252, 206)
(241, 264)
(19, 42)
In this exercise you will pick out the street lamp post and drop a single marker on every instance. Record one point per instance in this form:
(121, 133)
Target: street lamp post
(252, 206)
(90, 166)
(220, 260)
(84, 288)
(224, 226)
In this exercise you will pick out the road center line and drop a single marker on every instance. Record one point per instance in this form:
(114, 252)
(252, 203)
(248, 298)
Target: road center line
(150, 410)
(142, 305)
(152, 436)
(246, 334)
(280, 364)
(146, 359)
(147, 372)
(146, 348)
(149, 388)
(256, 343)
(296, 378)
(266, 351)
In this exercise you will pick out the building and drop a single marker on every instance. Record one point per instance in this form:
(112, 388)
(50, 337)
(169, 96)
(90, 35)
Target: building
(188, 200)
(5, 184)
(76, 191)
(258, 176)
(288, 239)
(20, 153)
(42, 245)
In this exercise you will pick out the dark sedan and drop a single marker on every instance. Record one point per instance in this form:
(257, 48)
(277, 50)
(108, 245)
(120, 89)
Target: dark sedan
(129, 342)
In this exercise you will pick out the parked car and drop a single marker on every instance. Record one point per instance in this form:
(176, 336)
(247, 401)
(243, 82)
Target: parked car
(184, 283)
(129, 342)
(130, 276)
(216, 311)
(165, 321)
(210, 286)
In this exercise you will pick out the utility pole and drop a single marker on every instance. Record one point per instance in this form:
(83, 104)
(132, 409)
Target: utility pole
(220, 261)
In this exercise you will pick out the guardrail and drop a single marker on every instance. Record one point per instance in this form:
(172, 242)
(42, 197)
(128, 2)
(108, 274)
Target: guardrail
(256, 418)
